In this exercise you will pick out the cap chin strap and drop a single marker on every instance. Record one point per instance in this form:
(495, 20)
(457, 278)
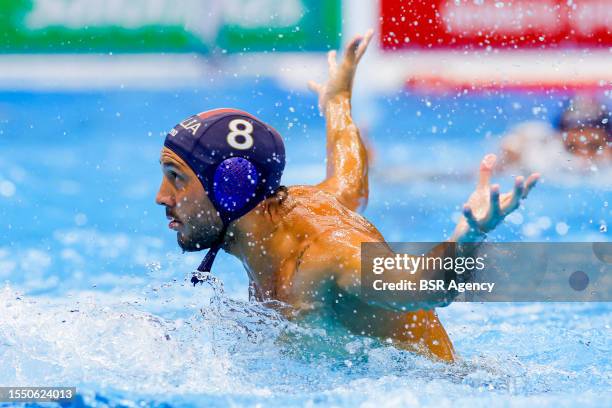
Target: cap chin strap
(235, 180)
(202, 274)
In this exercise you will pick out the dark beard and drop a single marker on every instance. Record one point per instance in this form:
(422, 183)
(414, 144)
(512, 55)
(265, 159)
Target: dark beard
(198, 239)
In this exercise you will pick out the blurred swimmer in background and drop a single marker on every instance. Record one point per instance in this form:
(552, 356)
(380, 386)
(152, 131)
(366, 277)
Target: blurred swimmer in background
(301, 245)
(580, 140)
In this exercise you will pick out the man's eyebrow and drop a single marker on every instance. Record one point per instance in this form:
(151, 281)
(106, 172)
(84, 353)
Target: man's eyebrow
(169, 164)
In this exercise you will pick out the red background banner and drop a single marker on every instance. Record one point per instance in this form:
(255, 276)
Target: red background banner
(482, 24)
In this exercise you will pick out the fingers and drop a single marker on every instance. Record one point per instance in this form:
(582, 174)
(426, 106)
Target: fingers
(319, 90)
(498, 209)
(469, 216)
(494, 208)
(315, 87)
(357, 46)
(486, 169)
(512, 200)
(521, 190)
(332, 65)
(532, 180)
(363, 46)
(351, 48)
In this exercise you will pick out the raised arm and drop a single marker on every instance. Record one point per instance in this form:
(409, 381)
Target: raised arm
(347, 164)
(485, 209)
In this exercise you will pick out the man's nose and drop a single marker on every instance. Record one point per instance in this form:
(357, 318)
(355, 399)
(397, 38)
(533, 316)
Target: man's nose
(164, 196)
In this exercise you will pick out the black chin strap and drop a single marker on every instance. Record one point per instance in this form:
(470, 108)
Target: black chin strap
(202, 274)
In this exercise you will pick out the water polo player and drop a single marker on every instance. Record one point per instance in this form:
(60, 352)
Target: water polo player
(580, 140)
(301, 245)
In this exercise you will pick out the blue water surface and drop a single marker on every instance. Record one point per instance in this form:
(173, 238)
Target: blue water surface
(95, 296)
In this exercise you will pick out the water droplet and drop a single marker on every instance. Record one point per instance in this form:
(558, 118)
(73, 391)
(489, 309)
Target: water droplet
(561, 228)
(7, 188)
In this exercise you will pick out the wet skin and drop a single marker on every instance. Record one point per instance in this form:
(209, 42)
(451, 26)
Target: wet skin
(588, 143)
(303, 247)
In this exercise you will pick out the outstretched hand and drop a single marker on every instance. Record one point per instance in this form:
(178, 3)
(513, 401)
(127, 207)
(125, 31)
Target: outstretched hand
(340, 81)
(486, 207)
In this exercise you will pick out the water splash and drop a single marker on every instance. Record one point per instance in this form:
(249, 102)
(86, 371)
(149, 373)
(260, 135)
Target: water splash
(218, 349)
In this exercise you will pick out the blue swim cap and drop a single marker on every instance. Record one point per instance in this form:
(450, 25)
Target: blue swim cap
(238, 159)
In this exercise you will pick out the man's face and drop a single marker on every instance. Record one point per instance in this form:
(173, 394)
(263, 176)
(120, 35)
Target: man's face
(188, 208)
(586, 142)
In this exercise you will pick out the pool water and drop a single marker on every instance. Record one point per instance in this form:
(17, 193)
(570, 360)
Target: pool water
(96, 294)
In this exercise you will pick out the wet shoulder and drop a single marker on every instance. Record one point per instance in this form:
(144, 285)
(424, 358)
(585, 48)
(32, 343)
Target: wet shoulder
(316, 200)
(326, 211)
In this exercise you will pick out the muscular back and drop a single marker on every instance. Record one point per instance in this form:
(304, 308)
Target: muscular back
(314, 210)
(316, 245)
(310, 229)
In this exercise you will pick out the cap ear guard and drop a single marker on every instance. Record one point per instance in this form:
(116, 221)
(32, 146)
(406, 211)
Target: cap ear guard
(252, 156)
(234, 185)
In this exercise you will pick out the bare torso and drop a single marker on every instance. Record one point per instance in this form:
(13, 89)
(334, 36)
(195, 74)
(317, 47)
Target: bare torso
(297, 251)
(309, 223)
